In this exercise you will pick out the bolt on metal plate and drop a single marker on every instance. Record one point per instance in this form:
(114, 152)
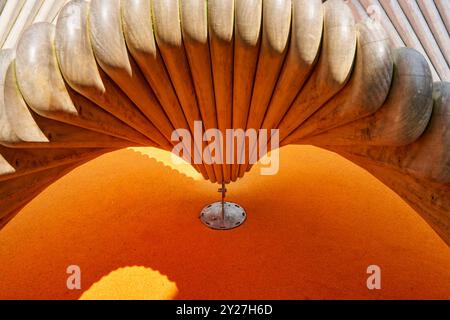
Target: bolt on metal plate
(233, 217)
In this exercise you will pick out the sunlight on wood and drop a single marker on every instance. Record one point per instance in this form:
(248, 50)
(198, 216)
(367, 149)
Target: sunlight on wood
(166, 158)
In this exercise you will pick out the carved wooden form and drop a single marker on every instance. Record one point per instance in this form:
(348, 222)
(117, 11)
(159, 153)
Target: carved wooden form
(113, 74)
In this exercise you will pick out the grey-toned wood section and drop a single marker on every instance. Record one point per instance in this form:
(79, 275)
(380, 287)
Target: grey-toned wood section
(108, 74)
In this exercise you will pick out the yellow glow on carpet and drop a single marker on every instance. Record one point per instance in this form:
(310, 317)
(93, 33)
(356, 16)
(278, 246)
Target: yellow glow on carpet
(165, 157)
(132, 283)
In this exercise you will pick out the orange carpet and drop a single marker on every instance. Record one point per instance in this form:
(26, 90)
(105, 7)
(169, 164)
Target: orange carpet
(311, 233)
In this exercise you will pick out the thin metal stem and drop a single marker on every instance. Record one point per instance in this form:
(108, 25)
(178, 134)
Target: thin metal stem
(223, 190)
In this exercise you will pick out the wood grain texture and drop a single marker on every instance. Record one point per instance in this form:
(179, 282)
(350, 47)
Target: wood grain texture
(166, 21)
(16, 162)
(306, 38)
(34, 130)
(74, 50)
(45, 91)
(429, 156)
(221, 37)
(37, 72)
(7, 134)
(139, 35)
(367, 89)
(108, 42)
(5, 167)
(194, 25)
(403, 117)
(333, 69)
(276, 28)
(80, 70)
(140, 39)
(248, 19)
(376, 12)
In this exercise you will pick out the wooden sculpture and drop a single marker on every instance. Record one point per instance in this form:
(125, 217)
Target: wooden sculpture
(113, 74)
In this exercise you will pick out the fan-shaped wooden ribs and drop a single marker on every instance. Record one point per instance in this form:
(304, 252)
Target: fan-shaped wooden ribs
(113, 74)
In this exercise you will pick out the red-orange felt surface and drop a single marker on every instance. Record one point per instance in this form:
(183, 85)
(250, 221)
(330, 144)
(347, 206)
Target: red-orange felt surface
(312, 231)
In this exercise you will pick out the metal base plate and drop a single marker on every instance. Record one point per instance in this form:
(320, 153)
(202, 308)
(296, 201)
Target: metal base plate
(211, 216)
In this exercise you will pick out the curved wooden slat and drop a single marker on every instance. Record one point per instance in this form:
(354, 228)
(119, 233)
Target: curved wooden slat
(366, 91)
(275, 40)
(306, 38)
(79, 69)
(37, 67)
(276, 24)
(221, 36)
(139, 35)
(194, 26)
(403, 117)
(248, 18)
(20, 119)
(6, 131)
(18, 162)
(74, 50)
(333, 69)
(39, 132)
(429, 156)
(166, 21)
(108, 42)
(376, 12)
(44, 89)
(5, 167)
(140, 39)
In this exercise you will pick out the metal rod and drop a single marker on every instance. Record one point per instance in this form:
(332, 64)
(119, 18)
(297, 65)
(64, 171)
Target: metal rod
(223, 190)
